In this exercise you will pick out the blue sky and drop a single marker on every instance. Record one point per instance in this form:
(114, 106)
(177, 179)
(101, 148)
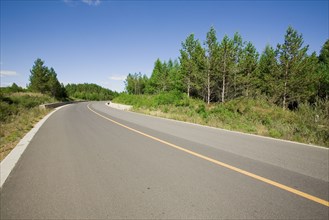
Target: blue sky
(102, 41)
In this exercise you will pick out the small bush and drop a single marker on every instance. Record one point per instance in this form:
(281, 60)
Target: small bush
(274, 133)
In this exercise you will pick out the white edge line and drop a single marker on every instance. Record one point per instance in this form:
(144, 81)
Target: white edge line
(9, 162)
(222, 129)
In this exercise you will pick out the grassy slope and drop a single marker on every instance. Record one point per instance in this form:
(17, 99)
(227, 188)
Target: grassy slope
(307, 124)
(19, 112)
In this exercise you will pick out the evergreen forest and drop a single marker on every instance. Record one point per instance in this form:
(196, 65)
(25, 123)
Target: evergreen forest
(223, 70)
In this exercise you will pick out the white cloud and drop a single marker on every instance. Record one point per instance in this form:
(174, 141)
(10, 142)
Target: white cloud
(70, 2)
(92, 2)
(7, 73)
(118, 78)
(76, 2)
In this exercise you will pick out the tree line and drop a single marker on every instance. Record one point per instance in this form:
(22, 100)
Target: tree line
(89, 91)
(219, 71)
(44, 80)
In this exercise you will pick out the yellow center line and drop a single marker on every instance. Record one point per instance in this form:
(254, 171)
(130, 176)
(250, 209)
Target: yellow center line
(260, 178)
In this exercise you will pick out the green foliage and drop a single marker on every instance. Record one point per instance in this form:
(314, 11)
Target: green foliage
(154, 83)
(174, 76)
(88, 91)
(166, 76)
(168, 98)
(188, 66)
(247, 71)
(201, 110)
(227, 64)
(39, 77)
(242, 92)
(323, 72)
(297, 70)
(151, 101)
(44, 80)
(13, 103)
(267, 73)
(11, 89)
(136, 83)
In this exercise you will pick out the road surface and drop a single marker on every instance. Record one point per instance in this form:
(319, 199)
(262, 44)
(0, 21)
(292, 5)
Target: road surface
(89, 161)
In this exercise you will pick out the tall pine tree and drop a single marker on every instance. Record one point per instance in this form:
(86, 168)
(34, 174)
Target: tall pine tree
(188, 67)
(212, 62)
(39, 77)
(247, 66)
(296, 74)
(200, 80)
(153, 86)
(44, 80)
(267, 73)
(226, 63)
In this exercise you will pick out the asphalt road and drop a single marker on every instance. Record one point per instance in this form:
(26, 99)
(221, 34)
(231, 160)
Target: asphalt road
(102, 163)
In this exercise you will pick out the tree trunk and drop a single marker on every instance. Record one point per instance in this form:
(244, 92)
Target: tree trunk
(247, 85)
(223, 89)
(285, 89)
(208, 85)
(234, 84)
(188, 87)
(284, 96)
(135, 90)
(224, 76)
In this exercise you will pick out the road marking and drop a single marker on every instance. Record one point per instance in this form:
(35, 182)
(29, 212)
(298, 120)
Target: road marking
(241, 171)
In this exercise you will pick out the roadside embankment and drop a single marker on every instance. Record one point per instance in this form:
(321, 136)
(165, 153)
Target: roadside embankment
(308, 124)
(119, 106)
(56, 104)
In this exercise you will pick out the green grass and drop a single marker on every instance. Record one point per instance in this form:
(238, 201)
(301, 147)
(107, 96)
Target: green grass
(19, 112)
(308, 124)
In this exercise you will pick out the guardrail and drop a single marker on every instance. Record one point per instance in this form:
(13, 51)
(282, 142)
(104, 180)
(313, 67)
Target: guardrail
(57, 104)
(119, 106)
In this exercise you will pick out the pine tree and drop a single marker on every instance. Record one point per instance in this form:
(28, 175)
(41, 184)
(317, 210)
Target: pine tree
(247, 66)
(295, 69)
(233, 77)
(323, 85)
(44, 80)
(15, 88)
(174, 76)
(130, 84)
(153, 85)
(136, 83)
(212, 62)
(227, 61)
(267, 73)
(54, 86)
(163, 77)
(39, 77)
(188, 67)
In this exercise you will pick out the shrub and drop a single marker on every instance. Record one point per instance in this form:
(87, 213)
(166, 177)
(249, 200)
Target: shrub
(168, 98)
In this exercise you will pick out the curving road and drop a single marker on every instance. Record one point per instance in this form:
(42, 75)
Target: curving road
(89, 161)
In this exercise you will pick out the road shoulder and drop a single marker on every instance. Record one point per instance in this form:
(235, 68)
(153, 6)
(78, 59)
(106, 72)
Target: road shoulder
(9, 162)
